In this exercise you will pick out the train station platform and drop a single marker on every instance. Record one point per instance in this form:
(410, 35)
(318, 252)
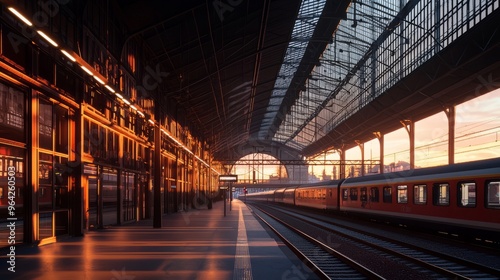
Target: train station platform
(197, 244)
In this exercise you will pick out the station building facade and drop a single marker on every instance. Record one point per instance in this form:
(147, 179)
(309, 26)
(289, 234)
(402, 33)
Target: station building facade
(77, 144)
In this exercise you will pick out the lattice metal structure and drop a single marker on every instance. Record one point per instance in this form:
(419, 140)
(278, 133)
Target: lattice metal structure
(377, 45)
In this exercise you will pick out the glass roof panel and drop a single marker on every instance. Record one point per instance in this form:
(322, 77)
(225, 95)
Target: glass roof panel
(309, 13)
(338, 72)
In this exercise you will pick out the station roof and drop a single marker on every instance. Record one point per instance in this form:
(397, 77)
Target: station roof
(266, 71)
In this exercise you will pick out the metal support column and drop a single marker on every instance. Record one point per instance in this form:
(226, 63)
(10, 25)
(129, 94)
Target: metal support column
(409, 125)
(380, 138)
(361, 146)
(342, 163)
(450, 113)
(157, 175)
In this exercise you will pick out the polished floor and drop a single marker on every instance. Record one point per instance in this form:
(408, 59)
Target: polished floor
(198, 244)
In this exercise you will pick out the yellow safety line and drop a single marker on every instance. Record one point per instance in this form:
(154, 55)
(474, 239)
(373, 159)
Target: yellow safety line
(242, 265)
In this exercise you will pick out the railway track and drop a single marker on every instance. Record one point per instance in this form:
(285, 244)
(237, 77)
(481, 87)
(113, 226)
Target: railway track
(418, 262)
(324, 261)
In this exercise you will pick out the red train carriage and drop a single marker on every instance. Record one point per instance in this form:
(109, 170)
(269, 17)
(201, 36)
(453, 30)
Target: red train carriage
(463, 198)
(321, 196)
(261, 196)
(289, 196)
(314, 197)
(456, 198)
(279, 194)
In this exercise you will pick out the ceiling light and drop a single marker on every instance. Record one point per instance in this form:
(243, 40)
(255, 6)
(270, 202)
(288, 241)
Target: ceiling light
(119, 95)
(109, 88)
(52, 42)
(99, 80)
(87, 70)
(20, 16)
(68, 55)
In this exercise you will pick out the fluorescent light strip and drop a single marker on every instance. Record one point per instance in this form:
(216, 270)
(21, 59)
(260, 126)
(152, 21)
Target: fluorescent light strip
(109, 88)
(140, 113)
(133, 107)
(99, 80)
(68, 55)
(126, 101)
(187, 150)
(20, 16)
(151, 121)
(119, 95)
(87, 70)
(52, 42)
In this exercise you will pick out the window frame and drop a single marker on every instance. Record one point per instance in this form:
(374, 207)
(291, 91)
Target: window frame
(437, 198)
(402, 194)
(387, 198)
(374, 194)
(417, 195)
(460, 185)
(487, 193)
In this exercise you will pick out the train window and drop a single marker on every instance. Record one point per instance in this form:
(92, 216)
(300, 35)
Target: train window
(374, 195)
(345, 194)
(420, 194)
(387, 194)
(363, 195)
(353, 194)
(466, 194)
(493, 195)
(441, 194)
(403, 194)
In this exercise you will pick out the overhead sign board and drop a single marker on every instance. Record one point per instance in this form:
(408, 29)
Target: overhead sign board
(223, 187)
(228, 178)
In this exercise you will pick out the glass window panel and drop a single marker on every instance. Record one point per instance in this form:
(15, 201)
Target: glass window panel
(466, 194)
(441, 194)
(402, 194)
(15, 47)
(345, 194)
(353, 194)
(46, 67)
(493, 195)
(12, 113)
(45, 124)
(387, 194)
(374, 195)
(12, 186)
(45, 225)
(420, 194)
(363, 194)
(86, 136)
(61, 130)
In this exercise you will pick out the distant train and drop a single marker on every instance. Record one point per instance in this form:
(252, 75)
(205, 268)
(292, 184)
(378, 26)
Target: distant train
(461, 198)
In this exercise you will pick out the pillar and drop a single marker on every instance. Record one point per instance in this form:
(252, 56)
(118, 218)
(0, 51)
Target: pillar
(450, 113)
